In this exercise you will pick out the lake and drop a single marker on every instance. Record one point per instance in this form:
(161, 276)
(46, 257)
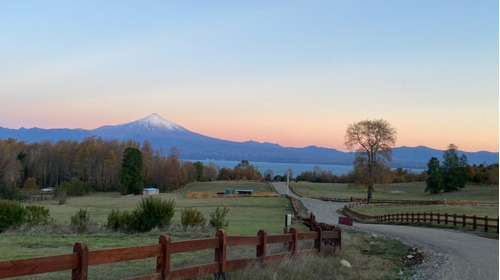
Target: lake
(281, 168)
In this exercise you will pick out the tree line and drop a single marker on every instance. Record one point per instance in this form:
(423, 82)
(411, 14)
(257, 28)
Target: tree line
(389, 176)
(93, 164)
(454, 172)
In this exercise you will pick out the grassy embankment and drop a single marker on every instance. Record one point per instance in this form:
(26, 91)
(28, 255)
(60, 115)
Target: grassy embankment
(403, 191)
(246, 217)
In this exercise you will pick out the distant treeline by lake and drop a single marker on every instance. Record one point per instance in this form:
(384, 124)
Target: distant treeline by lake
(280, 168)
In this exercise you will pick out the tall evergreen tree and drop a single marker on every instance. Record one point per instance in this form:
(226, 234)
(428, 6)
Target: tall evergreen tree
(434, 179)
(131, 171)
(452, 175)
(454, 170)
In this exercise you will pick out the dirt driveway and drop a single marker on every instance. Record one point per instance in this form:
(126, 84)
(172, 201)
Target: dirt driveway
(450, 255)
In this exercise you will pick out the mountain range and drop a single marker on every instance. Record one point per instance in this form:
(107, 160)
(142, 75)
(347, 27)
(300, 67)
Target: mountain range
(164, 134)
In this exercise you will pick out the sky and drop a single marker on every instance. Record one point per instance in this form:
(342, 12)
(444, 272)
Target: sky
(296, 73)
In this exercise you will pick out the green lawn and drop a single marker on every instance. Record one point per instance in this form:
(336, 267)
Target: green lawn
(246, 215)
(402, 191)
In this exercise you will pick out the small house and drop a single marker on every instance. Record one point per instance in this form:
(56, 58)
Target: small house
(151, 191)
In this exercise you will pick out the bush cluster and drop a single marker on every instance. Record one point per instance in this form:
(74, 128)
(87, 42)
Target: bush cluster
(152, 212)
(192, 217)
(80, 221)
(12, 214)
(36, 215)
(218, 218)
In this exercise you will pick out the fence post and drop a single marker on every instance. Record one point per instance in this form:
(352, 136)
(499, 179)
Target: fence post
(439, 218)
(313, 220)
(318, 241)
(474, 222)
(220, 255)
(292, 246)
(418, 217)
(412, 217)
(407, 219)
(497, 224)
(486, 223)
(430, 218)
(82, 250)
(425, 220)
(464, 220)
(340, 239)
(163, 261)
(445, 218)
(454, 220)
(262, 248)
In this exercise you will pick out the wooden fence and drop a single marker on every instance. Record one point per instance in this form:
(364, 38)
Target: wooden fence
(311, 220)
(405, 202)
(81, 258)
(439, 218)
(408, 202)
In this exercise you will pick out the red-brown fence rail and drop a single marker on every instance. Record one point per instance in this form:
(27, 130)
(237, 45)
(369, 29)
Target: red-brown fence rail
(408, 202)
(438, 218)
(81, 258)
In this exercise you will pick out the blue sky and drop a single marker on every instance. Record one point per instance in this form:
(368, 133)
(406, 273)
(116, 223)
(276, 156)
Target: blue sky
(289, 72)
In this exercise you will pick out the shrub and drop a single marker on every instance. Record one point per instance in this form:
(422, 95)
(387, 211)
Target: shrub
(36, 215)
(61, 192)
(192, 217)
(218, 218)
(152, 212)
(11, 214)
(118, 220)
(80, 221)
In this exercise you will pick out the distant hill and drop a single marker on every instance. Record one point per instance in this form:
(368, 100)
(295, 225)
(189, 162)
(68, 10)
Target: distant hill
(164, 134)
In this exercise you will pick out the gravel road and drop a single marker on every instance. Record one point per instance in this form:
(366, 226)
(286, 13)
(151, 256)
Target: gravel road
(449, 255)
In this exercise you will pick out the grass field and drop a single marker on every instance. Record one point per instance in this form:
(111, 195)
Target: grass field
(402, 191)
(246, 217)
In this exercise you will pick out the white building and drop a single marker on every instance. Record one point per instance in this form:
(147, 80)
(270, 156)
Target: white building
(150, 191)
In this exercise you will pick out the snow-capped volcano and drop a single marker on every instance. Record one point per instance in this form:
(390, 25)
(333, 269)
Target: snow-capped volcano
(152, 124)
(155, 122)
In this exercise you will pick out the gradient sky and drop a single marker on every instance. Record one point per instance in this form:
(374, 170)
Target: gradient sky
(295, 73)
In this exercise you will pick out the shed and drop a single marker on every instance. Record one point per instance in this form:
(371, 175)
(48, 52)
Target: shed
(150, 191)
(244, 191)
(49, 190)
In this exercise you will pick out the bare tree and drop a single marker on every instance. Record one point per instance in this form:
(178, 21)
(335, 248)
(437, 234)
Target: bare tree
(372, 141)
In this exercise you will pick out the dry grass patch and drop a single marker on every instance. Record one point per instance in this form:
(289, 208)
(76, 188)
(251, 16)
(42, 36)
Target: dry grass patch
(370, 258)
(215, 195)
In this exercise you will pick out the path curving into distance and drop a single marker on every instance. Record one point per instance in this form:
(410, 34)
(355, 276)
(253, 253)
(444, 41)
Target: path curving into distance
(449, 255)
